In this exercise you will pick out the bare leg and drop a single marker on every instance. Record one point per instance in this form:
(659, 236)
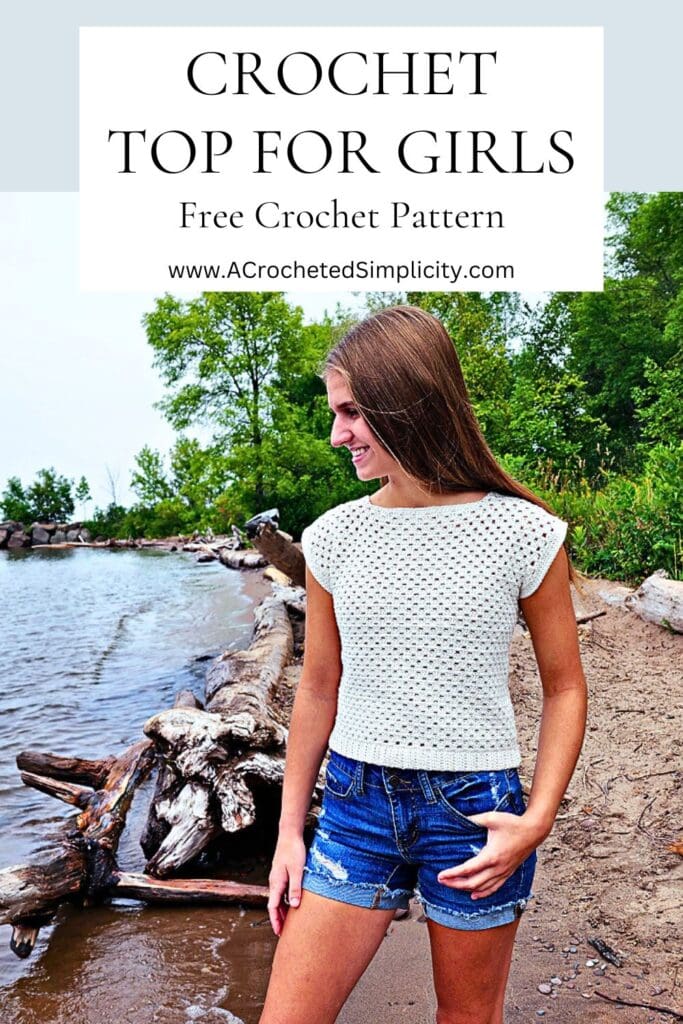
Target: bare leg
(324, 948)
(470, 972)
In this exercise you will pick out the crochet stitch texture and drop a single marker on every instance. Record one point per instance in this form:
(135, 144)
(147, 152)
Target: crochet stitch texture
(426, 602)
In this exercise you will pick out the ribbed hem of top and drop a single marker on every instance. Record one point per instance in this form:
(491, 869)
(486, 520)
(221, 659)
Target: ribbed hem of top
(392, 756)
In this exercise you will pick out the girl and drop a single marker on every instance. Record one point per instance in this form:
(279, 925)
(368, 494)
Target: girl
(412, 597)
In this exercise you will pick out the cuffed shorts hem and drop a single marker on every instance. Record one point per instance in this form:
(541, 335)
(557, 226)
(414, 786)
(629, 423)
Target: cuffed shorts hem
(358, 894)
(476, 921)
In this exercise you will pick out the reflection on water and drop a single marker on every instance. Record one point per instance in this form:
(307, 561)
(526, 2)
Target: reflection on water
(93, 643)
(170, 965)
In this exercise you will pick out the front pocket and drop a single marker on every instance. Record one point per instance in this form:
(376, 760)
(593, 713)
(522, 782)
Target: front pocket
(337, 782)
(473, 793)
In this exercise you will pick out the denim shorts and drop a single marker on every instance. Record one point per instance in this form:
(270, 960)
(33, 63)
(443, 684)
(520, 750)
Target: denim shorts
(384, 834)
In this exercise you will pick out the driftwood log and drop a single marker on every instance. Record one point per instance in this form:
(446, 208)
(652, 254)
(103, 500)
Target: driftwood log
(219, 768)
(277, 546)
(660, 600)
(224, 759)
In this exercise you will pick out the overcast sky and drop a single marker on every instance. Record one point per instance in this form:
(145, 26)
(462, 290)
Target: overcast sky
(77, 387)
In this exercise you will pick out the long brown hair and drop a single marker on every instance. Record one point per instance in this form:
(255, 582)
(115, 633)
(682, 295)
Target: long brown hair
(404, 375)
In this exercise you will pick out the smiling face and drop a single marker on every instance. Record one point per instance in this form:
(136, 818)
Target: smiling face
(350, 430)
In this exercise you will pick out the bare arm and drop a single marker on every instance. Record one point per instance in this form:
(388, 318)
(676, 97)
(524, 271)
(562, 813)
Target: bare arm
(315, 706)
(550, 617)
(549, 614)
(313, 715)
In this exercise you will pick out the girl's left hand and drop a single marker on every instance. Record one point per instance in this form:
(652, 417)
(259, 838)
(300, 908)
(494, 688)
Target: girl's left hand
(511, 839)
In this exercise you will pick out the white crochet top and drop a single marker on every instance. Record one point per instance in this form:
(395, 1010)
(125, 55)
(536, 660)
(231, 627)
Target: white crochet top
(426, 601)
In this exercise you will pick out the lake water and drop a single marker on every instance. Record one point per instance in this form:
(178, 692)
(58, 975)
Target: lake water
(93, 643)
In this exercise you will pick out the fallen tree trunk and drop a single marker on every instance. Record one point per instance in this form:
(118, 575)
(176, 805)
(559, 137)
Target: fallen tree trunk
(277, 546)
(241, 559)
(83, 869)
(186, 890)
(69, 769)
(660, 600)
(82, 865)
(223, 753)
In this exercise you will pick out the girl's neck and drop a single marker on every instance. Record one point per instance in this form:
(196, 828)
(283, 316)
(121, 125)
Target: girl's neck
(407, 494)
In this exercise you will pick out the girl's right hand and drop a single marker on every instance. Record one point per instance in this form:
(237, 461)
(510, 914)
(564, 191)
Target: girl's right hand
(284, 880)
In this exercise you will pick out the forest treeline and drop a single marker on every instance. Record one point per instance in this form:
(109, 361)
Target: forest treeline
(579, 396)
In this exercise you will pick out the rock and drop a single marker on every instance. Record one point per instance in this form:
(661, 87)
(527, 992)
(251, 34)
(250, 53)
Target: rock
(600, 852)
(72, 536)
(39, 535)
(11, 525)
(7, 528)
(85, 535)
(18, 539)
(58, 537)
(544, 988)
(556, 981)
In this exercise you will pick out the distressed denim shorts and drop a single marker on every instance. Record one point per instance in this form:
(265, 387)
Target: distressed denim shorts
(384, 834)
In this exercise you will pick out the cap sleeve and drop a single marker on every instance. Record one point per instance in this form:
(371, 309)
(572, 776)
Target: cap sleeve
(543, 538)
(316, 546)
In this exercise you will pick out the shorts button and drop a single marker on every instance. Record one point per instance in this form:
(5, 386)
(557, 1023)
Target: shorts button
(393, 780)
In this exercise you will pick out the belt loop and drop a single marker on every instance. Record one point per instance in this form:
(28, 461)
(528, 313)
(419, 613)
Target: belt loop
(360, 778)
(426, 784)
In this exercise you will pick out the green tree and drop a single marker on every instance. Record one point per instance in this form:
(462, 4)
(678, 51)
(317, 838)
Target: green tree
(611, 335)
(647, 238)
(82, 493)
(108, 522)
(217, 354)
(50, 497)
(199, 476)
(659, 403)
(149, 478)
(15, 503)
(551, 429)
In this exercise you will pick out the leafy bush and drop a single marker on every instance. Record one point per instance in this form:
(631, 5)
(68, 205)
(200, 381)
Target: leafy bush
(626, 529)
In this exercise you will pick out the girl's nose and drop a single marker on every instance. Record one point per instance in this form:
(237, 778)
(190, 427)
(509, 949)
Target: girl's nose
(340, 436)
